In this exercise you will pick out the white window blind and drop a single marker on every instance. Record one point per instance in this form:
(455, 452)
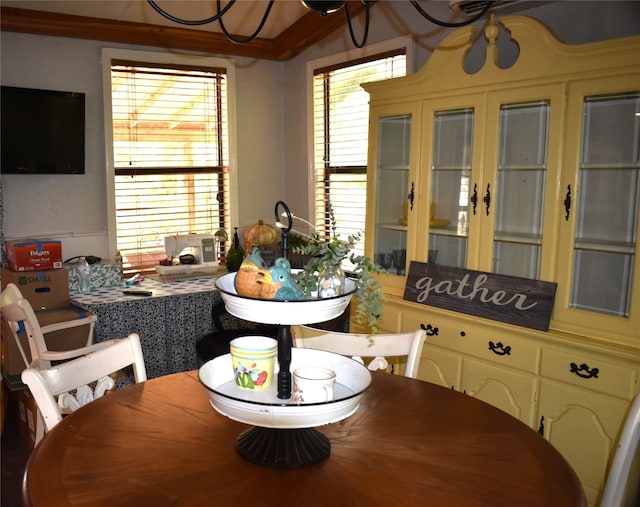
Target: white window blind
(341, 126)
(170, 145)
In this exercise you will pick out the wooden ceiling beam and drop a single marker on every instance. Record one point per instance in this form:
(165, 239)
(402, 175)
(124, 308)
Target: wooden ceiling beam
(308, 30)
(127, 32)
(312, 28)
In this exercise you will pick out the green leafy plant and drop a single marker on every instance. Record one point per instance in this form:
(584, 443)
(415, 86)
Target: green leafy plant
(369, 293)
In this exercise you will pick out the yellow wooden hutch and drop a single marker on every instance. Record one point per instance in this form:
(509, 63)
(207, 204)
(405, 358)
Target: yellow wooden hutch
(529, 167)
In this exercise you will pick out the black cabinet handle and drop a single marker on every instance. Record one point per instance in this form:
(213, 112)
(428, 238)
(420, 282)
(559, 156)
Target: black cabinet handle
(411, 196)
(431, 331)
(500, 349)
(487, 198)
(583, 371)
(541, 427)
(567, 202)
(474, 198)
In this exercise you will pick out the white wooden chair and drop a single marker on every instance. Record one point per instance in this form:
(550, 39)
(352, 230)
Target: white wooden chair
(378, 346)
(66, 385)
(19, 314)
(622, 488)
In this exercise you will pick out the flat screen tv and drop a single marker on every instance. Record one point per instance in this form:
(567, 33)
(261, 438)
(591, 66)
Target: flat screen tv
(42, 131)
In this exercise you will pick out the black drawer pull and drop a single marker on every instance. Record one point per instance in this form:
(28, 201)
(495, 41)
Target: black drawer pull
(588, 372)
(499, 349)
(431, 331)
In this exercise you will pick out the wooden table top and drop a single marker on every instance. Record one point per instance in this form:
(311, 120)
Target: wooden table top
(410, 443)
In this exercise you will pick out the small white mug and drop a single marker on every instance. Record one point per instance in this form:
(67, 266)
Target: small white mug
(312, 384)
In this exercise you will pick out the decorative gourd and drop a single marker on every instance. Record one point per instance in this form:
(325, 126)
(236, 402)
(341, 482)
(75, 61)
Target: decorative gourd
(260, 234)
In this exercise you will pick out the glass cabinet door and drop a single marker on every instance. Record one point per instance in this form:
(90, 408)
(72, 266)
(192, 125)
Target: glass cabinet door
(607, 205)
(520, 189)
(395, 192)
(598, 276)
(489, 182)
(449, 213)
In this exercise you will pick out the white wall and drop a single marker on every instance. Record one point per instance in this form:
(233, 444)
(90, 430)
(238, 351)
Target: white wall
(271, 105)
(72, 208)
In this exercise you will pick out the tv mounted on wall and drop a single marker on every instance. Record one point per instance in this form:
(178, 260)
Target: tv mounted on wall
(42, 131)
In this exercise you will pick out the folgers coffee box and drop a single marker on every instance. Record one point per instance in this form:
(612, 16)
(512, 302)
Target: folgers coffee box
(33, 254)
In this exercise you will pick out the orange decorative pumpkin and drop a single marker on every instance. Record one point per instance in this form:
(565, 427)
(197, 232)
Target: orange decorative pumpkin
(260, 234)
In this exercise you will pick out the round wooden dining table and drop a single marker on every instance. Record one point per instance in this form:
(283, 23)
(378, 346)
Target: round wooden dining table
(410, 443)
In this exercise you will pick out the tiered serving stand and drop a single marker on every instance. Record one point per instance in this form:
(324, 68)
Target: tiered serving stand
(284, 433)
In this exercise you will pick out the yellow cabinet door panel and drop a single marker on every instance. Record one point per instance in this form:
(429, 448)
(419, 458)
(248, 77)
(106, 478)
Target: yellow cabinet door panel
(440, 367)
(510, 391)
(584, 426)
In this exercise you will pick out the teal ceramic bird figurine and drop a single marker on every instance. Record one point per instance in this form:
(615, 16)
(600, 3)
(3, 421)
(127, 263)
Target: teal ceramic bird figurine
(279, 284)
(256, 258)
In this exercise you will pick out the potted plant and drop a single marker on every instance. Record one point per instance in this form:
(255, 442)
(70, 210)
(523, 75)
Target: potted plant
(323, 271)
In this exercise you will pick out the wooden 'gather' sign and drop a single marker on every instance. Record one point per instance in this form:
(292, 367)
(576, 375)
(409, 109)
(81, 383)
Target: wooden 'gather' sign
(510, 299)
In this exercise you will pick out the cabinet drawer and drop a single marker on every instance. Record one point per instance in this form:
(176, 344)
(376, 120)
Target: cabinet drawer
(590, 372)
(500, 348)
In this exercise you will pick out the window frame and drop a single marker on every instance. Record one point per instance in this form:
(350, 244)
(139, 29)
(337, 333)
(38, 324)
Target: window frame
(404, 42)
(108, 56)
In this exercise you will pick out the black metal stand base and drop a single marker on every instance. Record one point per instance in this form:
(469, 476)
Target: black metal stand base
(283, 448)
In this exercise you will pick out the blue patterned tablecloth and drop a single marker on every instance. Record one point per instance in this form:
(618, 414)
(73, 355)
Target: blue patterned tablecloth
(169, 322)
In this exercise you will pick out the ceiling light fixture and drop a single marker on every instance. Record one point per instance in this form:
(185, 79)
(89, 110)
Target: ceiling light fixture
(324, 7)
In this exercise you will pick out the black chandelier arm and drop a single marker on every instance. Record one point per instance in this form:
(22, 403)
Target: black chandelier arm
(221, 11)
(366, 24)
(195, 22)
(250, 37)
(458, 24)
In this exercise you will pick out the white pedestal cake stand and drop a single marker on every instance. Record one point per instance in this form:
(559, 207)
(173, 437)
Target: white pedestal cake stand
(284, 434)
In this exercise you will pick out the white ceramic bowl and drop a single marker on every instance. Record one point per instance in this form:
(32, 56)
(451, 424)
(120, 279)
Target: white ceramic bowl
(265, 409)
(308, 311)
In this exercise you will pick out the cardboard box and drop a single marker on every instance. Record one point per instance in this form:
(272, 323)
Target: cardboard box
(45, 290)
(64, 339)
(102, 274)
(33, 254)
(29, 418)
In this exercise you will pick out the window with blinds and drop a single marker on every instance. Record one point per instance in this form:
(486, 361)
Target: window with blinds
(170, 152)
(341, 127)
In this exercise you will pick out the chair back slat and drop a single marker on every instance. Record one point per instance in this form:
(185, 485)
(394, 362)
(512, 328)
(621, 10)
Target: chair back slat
(408, 344)
(19, 314)
(118, 354)
(47, 384)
